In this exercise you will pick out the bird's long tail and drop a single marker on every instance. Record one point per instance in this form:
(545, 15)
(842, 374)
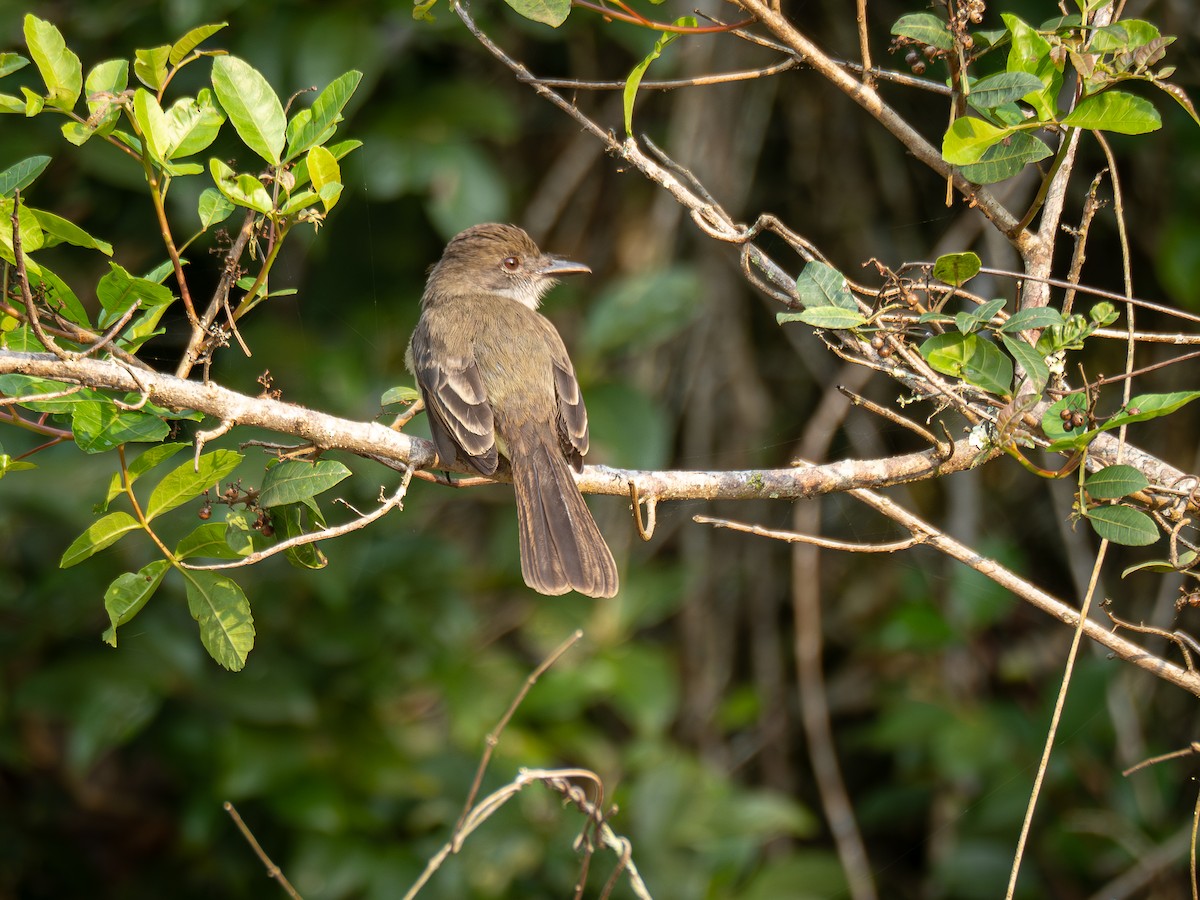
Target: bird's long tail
(561, 547)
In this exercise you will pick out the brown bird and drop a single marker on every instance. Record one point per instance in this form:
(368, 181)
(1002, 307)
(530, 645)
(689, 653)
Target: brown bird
(496, 379)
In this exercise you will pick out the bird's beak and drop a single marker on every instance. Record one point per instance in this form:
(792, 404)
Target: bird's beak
(554, 266)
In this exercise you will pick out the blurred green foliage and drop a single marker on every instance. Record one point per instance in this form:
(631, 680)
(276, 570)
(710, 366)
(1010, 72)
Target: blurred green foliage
(349, 741)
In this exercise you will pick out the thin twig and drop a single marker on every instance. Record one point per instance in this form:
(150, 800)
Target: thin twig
(1059, 703)
(273, 871)
(793, 537)
(493, 737)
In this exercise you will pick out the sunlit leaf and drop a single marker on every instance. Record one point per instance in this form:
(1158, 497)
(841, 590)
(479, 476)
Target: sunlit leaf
(150, 66)
(252, 106)
(104, 532)
(190, 41)
(128, 593)
(548, 12)
(222, 611)
(20, 175)
(957, 268)
(313, 125)
(1115, 111)
(59, 230)
(59, 67)
(189, 481)
(635, 77)
(967, 139)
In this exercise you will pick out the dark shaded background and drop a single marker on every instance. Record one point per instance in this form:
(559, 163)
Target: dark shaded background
(349, 741)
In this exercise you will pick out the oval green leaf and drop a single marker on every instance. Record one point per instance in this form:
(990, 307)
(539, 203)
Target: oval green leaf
(222, 611)
(1115, 111)
(187, 481)
(293, 481)
(104, 532)
(834, 317)
(1113, 482)
(1123, 525)
(252, 106)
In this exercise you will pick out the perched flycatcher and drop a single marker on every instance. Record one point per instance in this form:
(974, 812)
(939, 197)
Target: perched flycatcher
(496, 380)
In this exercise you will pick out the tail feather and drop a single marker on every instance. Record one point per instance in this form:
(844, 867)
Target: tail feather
(561, 547)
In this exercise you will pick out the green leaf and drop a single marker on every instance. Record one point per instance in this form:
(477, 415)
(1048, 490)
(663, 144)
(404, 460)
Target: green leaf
(966, 140)
(635, 77)
(1150, 406)
(153, 124)
(1029, 360)
(957, 268)
(834, 317)
(242, 535)
(302, 199)
(1127, 34)
(1114, 482)
(190, 41)
(118, 290)
(29, 386)
(104, 532)
(59, 67)
(11, 104)
(293, 481)
(11, 62)
(1005, 159)
(150, 66)
(314, 125)
(99, 426)
(252, 106)
(106, 78)
(339, 150)
(989, 368)
(1030, 52)
(59, 296)
(948, 353)
(214, 208)
(189, 481)
(208, 541)
(924, 28)
(1123, 525)
(324, 171)
(19, 176)
(242, 190)
(223, 613)
(820, 284)
(58, 230)
(1031, 319)
(548, 12)
(128, 593)
(287, 524)
(31, 233)
(1115, 111)
(194, 124)
(401, 393)
(1005, 87)
(1162, 566)
(146, 460)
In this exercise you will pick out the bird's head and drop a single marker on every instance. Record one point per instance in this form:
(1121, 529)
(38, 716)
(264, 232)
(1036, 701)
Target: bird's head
(499, 259)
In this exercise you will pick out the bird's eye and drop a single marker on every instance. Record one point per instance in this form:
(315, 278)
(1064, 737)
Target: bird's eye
(511, 263)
